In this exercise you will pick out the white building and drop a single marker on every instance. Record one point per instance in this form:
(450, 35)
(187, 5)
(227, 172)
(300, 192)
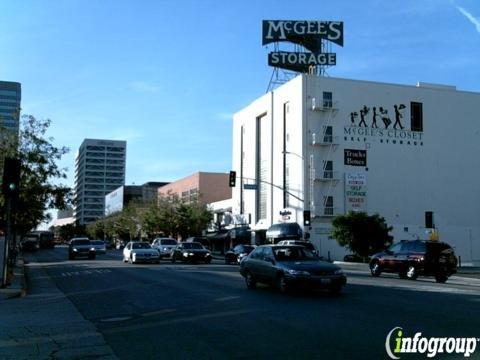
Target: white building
(99, 169)
(336, 145)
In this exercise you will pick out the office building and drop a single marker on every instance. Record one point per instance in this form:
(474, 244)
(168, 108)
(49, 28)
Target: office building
(10, 97)
(99, 169)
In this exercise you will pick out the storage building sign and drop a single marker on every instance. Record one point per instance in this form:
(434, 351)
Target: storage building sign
(355, 192)
(309, 34)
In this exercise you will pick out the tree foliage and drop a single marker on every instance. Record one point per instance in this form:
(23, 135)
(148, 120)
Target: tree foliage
(361, 233)
(40, 189)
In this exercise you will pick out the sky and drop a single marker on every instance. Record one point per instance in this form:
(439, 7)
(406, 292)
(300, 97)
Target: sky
(167, 76)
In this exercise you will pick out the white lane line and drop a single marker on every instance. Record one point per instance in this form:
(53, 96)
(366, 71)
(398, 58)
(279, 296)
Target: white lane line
(121, 329)
(158, 312)
(115, 319)
(226, 298)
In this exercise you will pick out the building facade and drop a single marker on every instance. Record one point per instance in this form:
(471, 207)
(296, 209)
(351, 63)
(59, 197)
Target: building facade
(10, 98)
(99, 169)
(203, 187)
(332, 145)
(116, 200)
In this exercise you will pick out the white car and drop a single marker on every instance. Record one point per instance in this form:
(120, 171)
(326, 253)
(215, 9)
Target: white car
(135, 252)
(164, 246)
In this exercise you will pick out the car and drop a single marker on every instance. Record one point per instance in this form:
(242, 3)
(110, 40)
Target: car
(191, 252)
(164, 246)
(238, 253)
(305, 243)
(412, 258)
(284, 231)
(29, 243)
(140, 251)
(99, 246)
(290, 267)
(81, 247)
(199, 239)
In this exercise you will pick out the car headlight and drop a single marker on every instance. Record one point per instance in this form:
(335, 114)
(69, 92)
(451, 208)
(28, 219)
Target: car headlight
(185, 254)
(191, 254)
(338, 272)
(298, 272)
(75, 250)
(165, 249)
(92, 249)
(207, 254)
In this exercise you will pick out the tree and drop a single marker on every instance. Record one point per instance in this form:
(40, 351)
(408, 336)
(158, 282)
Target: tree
(39, 188)
(361, 233)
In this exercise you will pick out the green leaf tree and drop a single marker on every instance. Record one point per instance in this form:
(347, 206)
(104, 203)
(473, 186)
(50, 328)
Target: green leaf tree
(361, 233)
(40, 176)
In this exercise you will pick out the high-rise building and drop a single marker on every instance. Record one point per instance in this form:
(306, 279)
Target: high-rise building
(99, 169)
(10, 96)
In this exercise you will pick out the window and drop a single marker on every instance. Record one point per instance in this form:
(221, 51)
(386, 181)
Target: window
(416, 116)
(327, 99)
(327, 134)
(395, 248)
(328, 203)
(328, 169)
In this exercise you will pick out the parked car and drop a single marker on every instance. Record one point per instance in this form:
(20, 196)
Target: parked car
(290, 266)
(238, 253)
(139, 251)
(305, 243)
(29, 243)
(99, 246)
(191, 252)
(284, 231)
(199, 239)
(411, 258)
(164, 246)
(81, 247)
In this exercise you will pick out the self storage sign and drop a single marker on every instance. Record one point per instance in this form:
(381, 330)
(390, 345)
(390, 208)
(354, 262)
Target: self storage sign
(355, 192)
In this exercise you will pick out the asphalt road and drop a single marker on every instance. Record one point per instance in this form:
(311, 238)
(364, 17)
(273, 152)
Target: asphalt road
(199, 311)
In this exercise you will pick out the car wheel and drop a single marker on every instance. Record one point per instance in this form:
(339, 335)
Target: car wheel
(71, 257)
(411, 272)
(91, 257)
(208, 261)
(227, 262)
(402, 274)
(173, 259)
(130, 259)
(375, 269)
(441, 277)
(282, 284)
(250, 281)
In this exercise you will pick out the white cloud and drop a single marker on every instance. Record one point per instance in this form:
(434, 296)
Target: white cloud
(475, 21)
(144, 87)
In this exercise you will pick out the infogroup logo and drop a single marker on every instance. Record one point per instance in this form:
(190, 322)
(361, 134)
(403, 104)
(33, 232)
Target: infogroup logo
(397, 344)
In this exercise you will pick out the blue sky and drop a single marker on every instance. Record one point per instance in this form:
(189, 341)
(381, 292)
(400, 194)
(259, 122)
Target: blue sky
(167, 75)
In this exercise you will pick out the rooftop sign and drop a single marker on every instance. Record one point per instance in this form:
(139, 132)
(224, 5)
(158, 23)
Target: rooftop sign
(308, 34)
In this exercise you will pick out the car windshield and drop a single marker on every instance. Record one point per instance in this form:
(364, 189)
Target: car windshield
(293, 254)
(97, 242)
(192, 245)
(168, 242)
(141, 245)
(81, 242)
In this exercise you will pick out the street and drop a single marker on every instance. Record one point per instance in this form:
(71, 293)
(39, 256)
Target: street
(199, 311)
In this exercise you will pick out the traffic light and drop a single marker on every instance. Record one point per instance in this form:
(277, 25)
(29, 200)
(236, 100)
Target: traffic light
(306, 218)
(429, 220)
(232, 178)
(11, 177)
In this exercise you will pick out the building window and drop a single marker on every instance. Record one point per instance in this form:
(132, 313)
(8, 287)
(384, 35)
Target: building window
(327, 99)
(328, 169)
(328, 205)
(327, 134)
(416, 115)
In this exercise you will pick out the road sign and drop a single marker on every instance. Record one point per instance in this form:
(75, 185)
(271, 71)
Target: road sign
(250, 186)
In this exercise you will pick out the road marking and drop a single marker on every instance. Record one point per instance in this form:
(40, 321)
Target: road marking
(154, 324)
(226, 298)
(158, 312)
(116, 319)
(85, 272)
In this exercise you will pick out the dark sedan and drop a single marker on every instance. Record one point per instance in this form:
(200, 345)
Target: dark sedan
(236, 254)
(191, 252)
(290, 266)
(81, 247)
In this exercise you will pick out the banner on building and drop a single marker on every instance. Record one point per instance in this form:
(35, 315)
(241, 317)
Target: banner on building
(355, 192)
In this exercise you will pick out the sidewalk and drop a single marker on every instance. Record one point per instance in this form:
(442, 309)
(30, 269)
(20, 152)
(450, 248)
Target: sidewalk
(18, 286)
(45, 324)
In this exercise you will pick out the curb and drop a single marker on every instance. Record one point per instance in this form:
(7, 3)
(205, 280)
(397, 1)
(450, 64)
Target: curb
(18, 286)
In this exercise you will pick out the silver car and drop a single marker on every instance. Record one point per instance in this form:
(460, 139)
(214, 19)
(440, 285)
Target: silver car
(99, 246)
(164, 246)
